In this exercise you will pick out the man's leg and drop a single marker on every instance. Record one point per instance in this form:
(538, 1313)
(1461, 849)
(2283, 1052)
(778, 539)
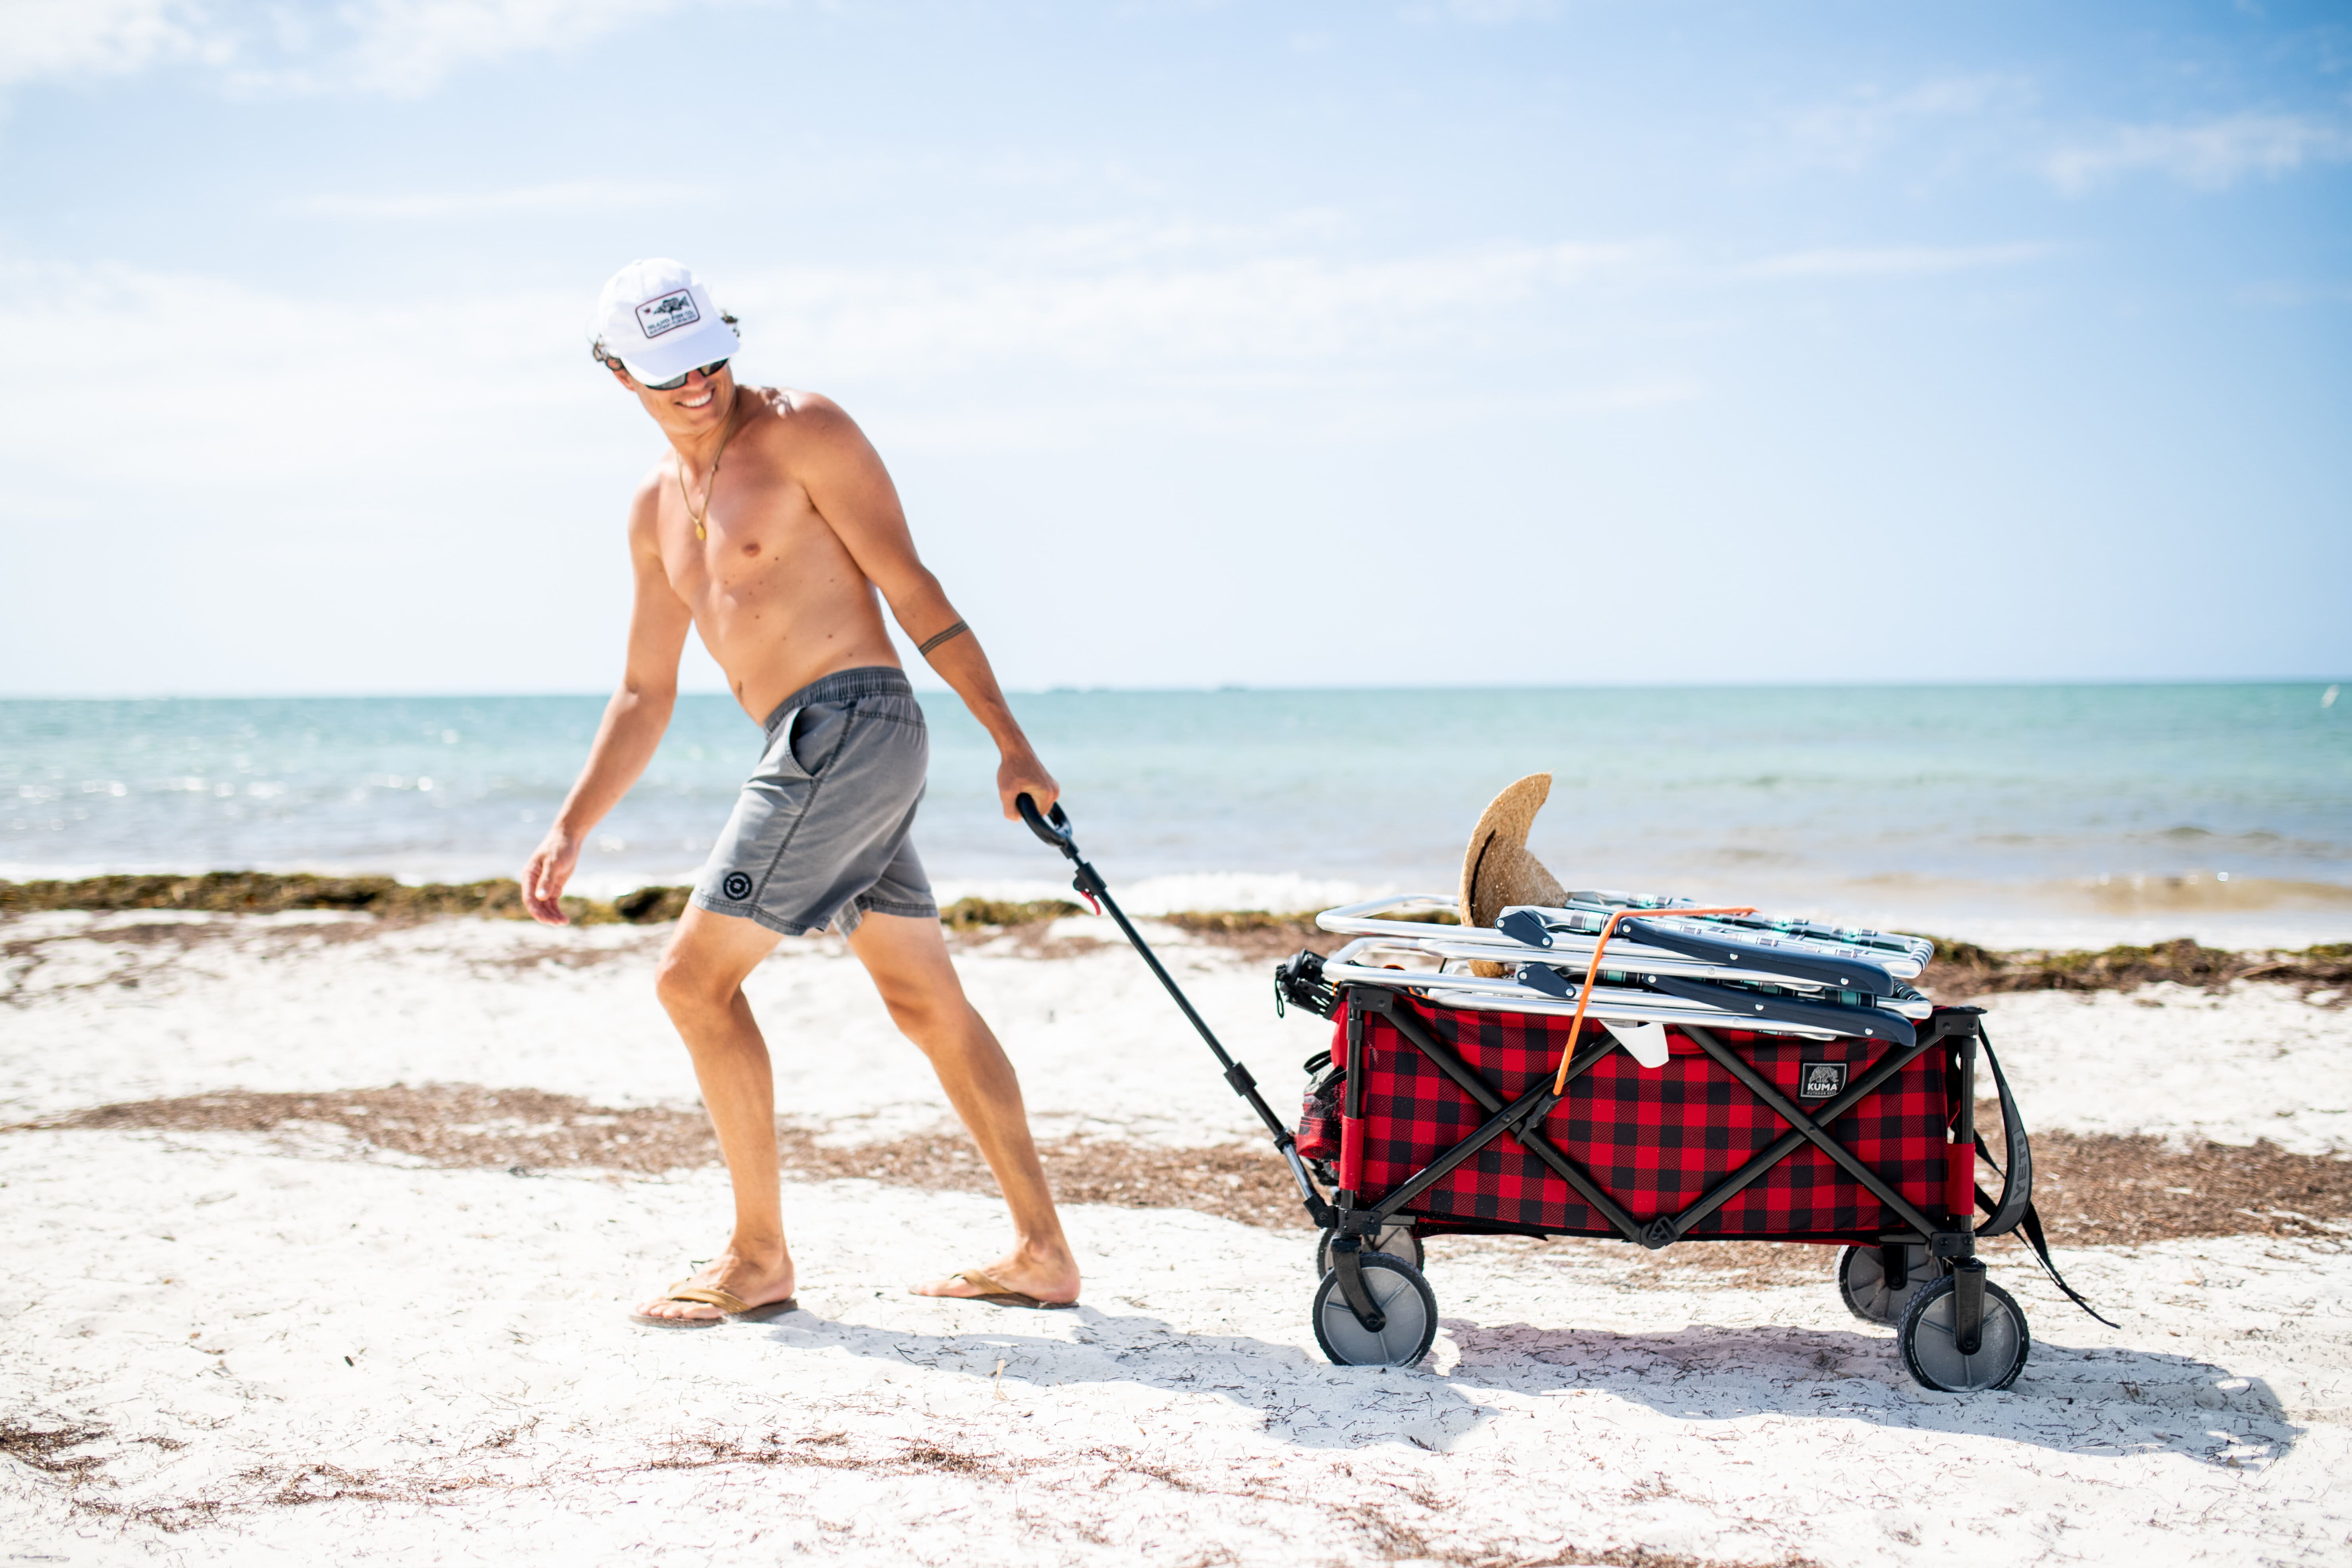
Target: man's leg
(907, 959)
(701, 983)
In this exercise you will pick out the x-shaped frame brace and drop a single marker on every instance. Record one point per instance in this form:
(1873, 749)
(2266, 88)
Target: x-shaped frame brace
(1524, 1117)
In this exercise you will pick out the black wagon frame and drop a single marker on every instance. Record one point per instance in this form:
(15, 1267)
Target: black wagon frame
(1353, 1229)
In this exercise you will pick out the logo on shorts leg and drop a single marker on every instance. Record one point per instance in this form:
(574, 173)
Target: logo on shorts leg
(737, 886)
(1820, 1080)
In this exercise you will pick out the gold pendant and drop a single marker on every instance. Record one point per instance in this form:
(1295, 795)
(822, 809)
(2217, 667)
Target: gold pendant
(701, 532)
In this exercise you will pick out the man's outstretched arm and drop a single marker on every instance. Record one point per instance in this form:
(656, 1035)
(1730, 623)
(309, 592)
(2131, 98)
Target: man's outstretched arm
(962, 665)
(852, 491)
(633, 725)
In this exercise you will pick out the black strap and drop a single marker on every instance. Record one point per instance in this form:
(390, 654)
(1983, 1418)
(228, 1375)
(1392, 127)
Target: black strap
(2030, 1229)
(2017, 1181)
(2028, 1226)
(2014, 1210)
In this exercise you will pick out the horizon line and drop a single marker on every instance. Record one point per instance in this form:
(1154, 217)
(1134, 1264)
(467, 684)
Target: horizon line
(1232, 689)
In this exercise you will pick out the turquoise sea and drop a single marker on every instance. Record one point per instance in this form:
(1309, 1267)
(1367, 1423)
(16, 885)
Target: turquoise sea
(2226, 796)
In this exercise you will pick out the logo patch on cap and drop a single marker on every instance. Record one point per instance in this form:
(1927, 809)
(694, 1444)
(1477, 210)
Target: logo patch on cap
(671, 312)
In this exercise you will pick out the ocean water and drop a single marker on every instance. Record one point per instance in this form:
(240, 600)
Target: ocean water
(2217, 802)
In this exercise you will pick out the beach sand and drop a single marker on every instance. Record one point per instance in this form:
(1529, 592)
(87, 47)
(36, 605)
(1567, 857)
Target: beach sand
(238, 1330)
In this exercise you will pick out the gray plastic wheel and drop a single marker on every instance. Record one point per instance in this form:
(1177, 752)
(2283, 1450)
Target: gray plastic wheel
(1933, 1356)
(1861, 1282)
(1397, 1240)
(1401, 1293)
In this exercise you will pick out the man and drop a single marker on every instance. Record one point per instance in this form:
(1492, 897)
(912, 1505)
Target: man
(770, 528)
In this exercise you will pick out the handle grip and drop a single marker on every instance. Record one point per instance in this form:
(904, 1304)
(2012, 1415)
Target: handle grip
(1052, 828)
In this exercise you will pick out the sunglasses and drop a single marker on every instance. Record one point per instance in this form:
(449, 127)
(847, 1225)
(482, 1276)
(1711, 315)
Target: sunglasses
(674, 382)
(672, 385)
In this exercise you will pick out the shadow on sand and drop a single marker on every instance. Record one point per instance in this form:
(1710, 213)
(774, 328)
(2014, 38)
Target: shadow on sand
(2072, 1400)
(2088, 1402)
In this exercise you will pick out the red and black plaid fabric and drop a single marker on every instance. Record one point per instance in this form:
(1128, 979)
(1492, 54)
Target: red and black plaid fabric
(1655, 1142)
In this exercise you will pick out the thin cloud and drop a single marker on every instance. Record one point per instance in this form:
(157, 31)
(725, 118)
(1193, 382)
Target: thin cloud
(1329, 409)
(1855, 129)
(1135, 240)
(405, 47)
(574, 196)
(1896, 261)
(1256, 311)
(98, 37)
(228, 373)
(397, 47)
(2211, 154)
(337, 386)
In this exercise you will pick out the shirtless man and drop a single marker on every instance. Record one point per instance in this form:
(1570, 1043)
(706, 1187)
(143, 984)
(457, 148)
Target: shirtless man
(770, 530)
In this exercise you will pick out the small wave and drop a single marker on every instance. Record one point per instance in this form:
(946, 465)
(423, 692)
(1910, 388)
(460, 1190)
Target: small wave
(2135, 893)
(2217, 891)
(2252, 837)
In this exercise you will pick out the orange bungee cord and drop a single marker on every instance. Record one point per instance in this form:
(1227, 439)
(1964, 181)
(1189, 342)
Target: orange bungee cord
(1593, 972)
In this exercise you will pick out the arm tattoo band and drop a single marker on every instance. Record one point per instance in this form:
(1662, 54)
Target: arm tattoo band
(954, 631)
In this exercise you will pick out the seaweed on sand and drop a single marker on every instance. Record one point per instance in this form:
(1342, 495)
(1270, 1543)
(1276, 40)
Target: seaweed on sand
(980, 914)
(1962, 969)
(43, 1446)
(2096, 1188)
(269, 893)
(501, 898)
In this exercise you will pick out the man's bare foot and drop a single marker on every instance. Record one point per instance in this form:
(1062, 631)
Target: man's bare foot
(758, 1283)
(1050, 1277)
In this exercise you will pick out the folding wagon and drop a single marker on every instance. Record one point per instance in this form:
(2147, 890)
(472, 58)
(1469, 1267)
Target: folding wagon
(1640, 1069)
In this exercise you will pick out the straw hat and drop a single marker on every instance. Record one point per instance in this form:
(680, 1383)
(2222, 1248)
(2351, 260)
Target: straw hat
(1497, 870)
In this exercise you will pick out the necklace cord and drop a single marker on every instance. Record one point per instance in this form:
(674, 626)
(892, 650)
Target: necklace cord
(701, 531)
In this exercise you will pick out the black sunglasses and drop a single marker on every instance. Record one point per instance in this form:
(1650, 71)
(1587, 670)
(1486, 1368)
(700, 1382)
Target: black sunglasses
(674, 382)
(672, 385)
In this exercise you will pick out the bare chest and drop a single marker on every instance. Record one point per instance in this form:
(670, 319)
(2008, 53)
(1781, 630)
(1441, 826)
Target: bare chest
(759, 536)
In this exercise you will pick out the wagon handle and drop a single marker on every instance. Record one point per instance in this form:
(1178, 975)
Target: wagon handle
(1593, 972)
(1053, 827)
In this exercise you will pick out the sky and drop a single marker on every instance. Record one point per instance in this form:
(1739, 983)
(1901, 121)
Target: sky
(1489, 342)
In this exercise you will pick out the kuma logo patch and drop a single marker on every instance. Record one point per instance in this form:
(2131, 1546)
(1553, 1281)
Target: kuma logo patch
(737, 886)
(667, 315)
(1820, 1080)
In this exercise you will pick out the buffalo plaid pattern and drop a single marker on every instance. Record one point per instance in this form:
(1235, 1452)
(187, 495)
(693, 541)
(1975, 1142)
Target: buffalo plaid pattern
(1656, 1141)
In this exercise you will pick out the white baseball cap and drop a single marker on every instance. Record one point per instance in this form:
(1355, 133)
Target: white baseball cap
(659, 321)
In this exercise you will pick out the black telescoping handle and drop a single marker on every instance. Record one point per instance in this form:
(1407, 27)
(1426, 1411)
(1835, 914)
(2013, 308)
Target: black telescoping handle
(1053, 828)
(1056, 831)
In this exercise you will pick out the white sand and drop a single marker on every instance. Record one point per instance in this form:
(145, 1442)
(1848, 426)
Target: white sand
(291, 1004)
(497, 1408)
(2259, 1062)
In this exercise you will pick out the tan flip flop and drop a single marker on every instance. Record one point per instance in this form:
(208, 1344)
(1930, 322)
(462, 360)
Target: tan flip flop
(998, 1294)
(736, 1309)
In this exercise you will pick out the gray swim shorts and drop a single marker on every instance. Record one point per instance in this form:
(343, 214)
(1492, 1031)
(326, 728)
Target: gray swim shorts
(820, 832)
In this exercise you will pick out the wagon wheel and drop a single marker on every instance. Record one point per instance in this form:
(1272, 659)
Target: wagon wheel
(1396, 1240)
(1861, 1281)
(1933, 1356)
(1397, 1287)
